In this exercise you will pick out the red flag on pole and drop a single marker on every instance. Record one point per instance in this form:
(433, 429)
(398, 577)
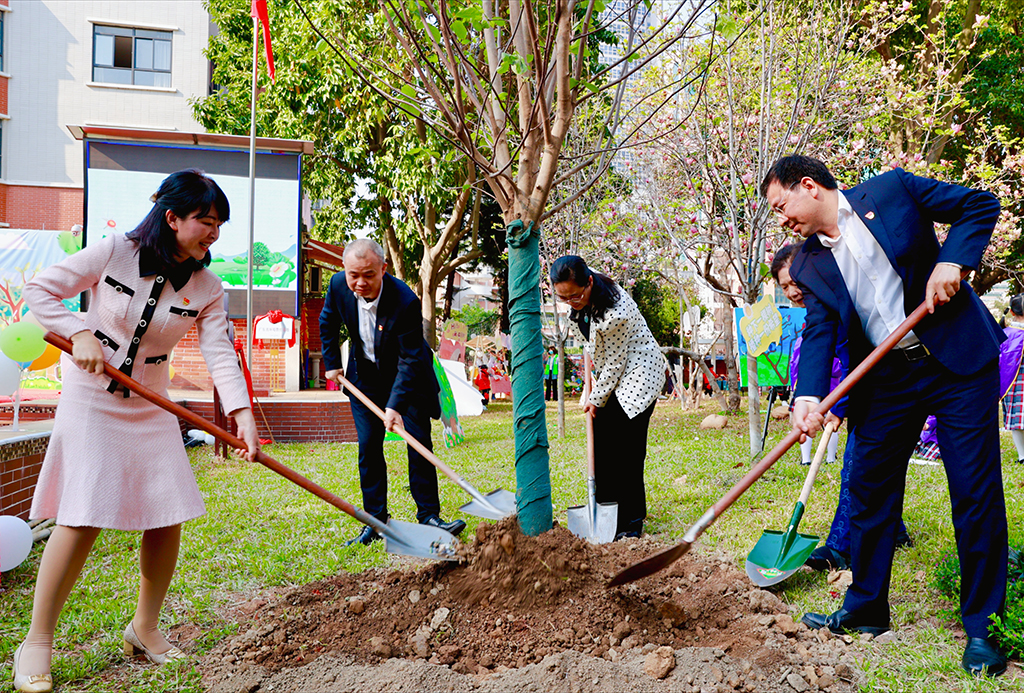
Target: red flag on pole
(259, 9)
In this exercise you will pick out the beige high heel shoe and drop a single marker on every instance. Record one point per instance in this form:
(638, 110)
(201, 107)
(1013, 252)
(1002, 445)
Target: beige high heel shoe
(133, 647)
(30, 683)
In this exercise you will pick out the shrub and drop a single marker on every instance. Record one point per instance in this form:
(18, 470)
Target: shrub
(1008, 629)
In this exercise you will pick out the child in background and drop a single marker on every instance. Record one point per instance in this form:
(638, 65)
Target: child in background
(483, 383)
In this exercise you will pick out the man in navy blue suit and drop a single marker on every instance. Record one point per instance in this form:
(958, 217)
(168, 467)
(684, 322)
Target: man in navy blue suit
(870, 258)
(390, 362)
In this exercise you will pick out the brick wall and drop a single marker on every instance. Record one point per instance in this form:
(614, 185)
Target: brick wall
(35, 207)
(27, 412)
(19, 469)
(190, 373)
(328, 421)
(3, 95)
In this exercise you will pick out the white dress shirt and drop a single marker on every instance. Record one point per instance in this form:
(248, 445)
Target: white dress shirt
(368, 324)
(874, 286)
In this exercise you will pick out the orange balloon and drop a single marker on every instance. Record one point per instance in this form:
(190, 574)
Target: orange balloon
(47, 359)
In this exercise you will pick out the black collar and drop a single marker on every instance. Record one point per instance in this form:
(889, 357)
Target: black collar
(178, 274)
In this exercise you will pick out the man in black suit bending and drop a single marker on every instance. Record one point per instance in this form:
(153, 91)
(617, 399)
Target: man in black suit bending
(390, 362)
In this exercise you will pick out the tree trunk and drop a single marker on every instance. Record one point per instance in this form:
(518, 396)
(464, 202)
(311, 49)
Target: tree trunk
(429, 312)
(753, 405)
(733, 398)
(533, 474)
(449, 294)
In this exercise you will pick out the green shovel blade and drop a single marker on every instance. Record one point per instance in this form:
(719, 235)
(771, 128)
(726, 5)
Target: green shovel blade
(777, 555)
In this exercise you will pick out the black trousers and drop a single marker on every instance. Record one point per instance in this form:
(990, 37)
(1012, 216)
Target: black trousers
(373, 476)
(550, 388)
(885, 418)
(620, 449)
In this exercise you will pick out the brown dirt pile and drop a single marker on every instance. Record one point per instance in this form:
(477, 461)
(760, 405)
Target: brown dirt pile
(536, 604)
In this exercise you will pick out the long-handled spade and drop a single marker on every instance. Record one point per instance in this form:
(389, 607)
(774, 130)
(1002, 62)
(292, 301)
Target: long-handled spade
(494, 506)
(403, 538)
(663, 559)
(777, 555)
(595, 522)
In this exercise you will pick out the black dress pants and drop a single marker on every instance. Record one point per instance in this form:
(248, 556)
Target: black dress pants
(373, 478)
(620, 449)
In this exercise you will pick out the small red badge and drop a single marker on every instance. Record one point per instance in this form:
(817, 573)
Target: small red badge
(185, 301)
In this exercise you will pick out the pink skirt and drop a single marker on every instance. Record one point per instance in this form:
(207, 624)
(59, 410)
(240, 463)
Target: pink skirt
(114, 462)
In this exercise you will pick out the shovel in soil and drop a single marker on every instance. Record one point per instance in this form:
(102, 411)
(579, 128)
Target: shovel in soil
(777, 555)
(663, 559)
(405, 538)
(595, 522)
(494, 506)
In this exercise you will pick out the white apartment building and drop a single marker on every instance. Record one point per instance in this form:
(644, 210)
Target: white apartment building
(132, 64)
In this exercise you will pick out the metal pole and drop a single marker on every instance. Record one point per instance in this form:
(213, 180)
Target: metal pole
(252, 192)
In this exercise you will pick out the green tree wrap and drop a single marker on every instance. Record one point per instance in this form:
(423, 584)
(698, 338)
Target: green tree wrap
(533, 476)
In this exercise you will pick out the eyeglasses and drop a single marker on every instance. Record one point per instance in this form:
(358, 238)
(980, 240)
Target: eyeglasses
(780, 209)
(573, 298)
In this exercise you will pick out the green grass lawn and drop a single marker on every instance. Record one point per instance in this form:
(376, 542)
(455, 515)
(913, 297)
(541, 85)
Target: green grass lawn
(261, 532)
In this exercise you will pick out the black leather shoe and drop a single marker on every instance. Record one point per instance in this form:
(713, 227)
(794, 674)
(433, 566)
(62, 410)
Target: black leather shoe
(825, 558)
(629, 534)
(981, 658)
(454, 527)
(842, 621)
(366, 537)
(903, 540)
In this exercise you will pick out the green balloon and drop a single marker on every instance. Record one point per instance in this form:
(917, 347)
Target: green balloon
(22, 342)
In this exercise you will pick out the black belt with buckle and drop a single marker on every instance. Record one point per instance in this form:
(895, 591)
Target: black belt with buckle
(915, 352)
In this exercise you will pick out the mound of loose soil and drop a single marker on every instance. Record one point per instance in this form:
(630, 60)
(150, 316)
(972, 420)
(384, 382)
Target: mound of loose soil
(521, 612)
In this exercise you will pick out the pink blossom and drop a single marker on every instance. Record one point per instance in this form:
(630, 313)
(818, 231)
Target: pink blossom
(956, 128)
(747, 178)
(794, 139)
(906, 6)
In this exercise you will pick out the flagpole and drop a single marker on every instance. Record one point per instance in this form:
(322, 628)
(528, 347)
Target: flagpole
(252, 192)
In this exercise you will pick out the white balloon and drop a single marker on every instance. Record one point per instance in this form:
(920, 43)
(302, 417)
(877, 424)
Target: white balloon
(196, 434)
(15, 542)
(10, 375)
(210, 440)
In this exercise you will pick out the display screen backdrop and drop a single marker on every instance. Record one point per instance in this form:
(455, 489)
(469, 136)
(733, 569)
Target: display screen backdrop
(121, 177)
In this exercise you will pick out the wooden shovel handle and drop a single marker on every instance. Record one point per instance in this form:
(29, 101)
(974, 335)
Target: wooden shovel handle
(201, 423)
(812, 473)
(841, 390)
(406, 436)
(587, 385)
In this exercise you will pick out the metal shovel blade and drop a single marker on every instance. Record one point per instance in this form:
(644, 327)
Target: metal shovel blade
(775, 556)
(423, 541)
(599, 531)
(496, 505)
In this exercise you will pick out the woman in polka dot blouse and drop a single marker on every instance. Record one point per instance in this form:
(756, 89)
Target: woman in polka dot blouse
(630, 375)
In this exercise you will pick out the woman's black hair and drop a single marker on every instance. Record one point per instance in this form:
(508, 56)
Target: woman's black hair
(603, 294)
(783, 257)
(1017, 305)
(184, 193)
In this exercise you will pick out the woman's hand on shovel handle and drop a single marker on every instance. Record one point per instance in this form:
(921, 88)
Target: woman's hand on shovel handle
(590, 409)
(806, 420)
(247, 431)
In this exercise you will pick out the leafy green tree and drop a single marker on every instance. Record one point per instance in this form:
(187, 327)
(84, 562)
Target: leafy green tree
(421, 202)
(659, 304)
(478, 321)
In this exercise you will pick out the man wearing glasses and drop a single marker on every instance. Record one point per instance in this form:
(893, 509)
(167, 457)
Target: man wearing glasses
(870, 258)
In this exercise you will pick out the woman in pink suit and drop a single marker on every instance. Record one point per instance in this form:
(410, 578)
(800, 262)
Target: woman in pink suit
(116, 460)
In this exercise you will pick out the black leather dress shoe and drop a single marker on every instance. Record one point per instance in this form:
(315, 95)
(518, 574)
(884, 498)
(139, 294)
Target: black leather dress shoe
(366, 537)
(842, 621)
(981, 658)
(825, 558)
(903, 540)
(454, 527)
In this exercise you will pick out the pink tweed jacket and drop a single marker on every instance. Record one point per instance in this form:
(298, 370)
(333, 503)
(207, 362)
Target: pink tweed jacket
(139, 319)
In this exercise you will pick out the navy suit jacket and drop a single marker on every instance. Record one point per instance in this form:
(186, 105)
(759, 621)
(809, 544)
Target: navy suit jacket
(900, 210)
(405, 364)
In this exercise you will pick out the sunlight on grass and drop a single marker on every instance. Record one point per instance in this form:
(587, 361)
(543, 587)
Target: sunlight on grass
(262, 532)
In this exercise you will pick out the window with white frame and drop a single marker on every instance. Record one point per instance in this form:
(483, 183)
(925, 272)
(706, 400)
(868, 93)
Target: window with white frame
(121, 55)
